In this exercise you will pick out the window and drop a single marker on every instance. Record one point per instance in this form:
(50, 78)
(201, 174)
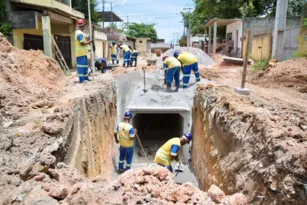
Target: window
(141, 41)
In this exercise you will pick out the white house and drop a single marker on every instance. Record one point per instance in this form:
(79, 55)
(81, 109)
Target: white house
(234, 31)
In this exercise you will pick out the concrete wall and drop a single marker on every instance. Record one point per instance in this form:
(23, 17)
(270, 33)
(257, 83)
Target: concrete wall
(233, 28)
(141, 45)
(260, 26)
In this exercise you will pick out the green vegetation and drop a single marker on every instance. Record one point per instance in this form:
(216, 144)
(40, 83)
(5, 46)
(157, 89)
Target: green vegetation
(142, 30)
(5, 25)
(261, 65)
(82, 6)
(183, 41)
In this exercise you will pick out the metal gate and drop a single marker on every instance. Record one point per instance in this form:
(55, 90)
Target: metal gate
(262, 47)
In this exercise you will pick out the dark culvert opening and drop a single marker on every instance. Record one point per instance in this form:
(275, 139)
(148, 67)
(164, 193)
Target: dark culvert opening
(155, 128)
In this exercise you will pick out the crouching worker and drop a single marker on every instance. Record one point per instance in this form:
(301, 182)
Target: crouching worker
(101, 64)
(189, 63)
(172, 66)
(125, 133)
(170, 151)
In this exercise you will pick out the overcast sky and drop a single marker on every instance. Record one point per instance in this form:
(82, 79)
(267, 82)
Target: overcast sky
(165, 13)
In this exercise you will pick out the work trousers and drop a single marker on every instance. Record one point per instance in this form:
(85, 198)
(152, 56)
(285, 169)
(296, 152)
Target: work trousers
(171, 74)
(114, 58)
(82, 66)
(134, 58)
(187, 73)
(169, 167)
(125, 154)
(127, 58)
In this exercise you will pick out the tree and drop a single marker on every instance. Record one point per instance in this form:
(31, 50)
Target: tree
(82, 6)
(5, 25)
(141, 30)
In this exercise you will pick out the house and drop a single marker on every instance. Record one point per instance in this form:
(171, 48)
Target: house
(35, 23)
(142, 45)
(160, 45)
(233, 31)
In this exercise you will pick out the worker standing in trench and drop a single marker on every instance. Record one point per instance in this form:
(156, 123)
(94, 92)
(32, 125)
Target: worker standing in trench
(189, 63)
(82, 51)
(125, 132)
(172, 66)
(170, 150)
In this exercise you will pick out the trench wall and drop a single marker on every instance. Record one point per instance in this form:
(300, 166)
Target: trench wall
(238, 147)
(90, 145)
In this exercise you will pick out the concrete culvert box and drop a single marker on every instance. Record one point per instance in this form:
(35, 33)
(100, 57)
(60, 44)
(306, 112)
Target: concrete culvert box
(158, 126)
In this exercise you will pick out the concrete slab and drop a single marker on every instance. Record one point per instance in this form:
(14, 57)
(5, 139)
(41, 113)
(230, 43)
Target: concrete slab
(242, 91)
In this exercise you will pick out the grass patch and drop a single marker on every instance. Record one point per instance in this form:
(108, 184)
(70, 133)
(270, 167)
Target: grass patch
(261, 65)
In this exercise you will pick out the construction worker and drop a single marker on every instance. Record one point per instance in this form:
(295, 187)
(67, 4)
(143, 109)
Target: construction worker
(172, 66)
(101, 64)
(189, 63)
(126, 132)
(127, 53)
(170, 151)
(134, 58)
(114, 53)
(82, 51)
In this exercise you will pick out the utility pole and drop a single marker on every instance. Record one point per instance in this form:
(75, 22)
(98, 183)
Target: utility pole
(112, 18)
(128, 24)
(91, 36)
(189, 41)
(102, 13)
(279, 29)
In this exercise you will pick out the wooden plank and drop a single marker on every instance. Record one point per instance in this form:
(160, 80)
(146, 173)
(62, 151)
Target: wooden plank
(60, 18)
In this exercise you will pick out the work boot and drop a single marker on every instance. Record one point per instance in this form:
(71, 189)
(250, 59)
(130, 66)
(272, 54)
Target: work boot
(177, 89)
(168, 88)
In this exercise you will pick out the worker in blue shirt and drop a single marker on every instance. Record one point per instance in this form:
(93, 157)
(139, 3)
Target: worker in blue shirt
(101, 64)
(134, 57)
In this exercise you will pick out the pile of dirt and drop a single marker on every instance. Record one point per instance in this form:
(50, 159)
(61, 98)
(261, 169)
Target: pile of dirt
(291, 73)
(65, 185)
(25, 78)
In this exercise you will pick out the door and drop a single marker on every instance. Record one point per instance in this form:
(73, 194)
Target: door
(63, 43)
(237, 39)
(262, 47)
(33, 42)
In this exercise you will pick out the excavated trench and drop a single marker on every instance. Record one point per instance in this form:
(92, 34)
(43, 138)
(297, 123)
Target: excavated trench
(230, 146)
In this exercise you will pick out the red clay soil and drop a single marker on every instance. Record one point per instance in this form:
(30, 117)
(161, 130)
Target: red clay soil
(291, 73)
(26, 73)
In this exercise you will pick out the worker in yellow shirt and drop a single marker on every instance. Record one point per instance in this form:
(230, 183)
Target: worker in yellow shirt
(82, 51)
(125, 132)
(172, 66)
(114, 53)
(170, 151)
(189, 63)
(127, 53)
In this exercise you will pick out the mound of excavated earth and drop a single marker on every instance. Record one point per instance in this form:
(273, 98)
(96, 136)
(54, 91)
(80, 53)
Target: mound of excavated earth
(141, 186)
(290, 73)
(29, 74)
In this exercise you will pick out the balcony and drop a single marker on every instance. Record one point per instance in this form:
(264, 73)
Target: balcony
(53, 5)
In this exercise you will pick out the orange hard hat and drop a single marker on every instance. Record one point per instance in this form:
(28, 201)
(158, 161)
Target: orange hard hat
(81, 22)
(164, 57)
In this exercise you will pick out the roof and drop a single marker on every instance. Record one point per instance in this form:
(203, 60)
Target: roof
(109, 16)
(221, 22)
(160, 45)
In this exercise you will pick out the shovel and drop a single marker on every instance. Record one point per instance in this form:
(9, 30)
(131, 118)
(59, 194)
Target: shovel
(144, 90)
(137, 136)
(178, 169)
